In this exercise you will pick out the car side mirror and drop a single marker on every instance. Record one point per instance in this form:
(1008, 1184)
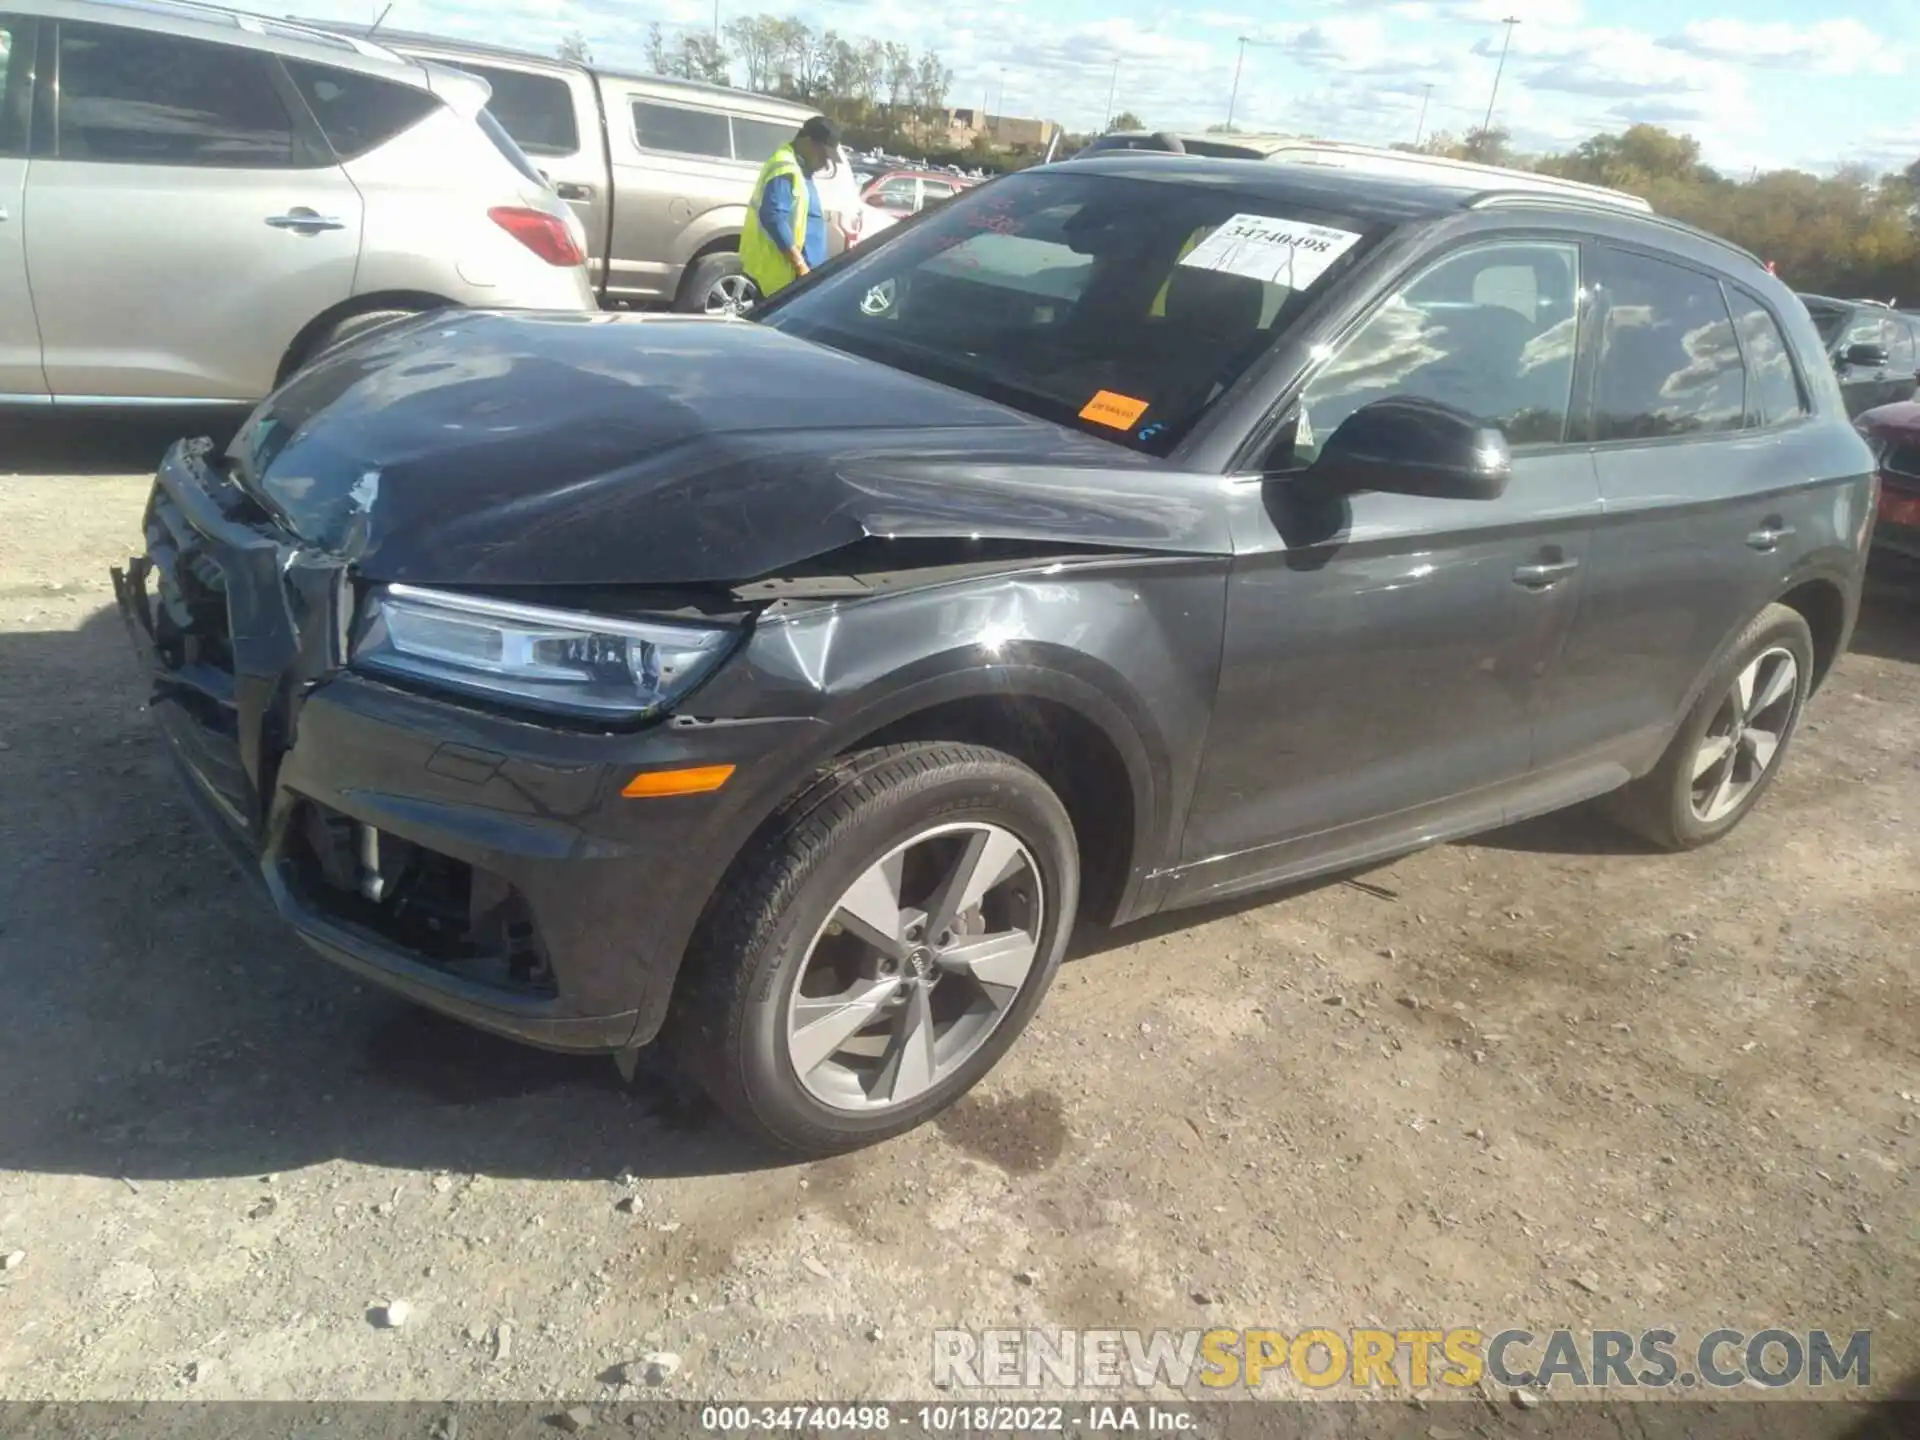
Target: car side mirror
(1867, 357)
(1408, 446)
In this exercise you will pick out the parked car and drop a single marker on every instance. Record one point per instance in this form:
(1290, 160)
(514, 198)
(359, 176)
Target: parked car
(1894, 433)
(787, 689)
(893, 195)
(205, 201)
(1874, 349)
(660, 171)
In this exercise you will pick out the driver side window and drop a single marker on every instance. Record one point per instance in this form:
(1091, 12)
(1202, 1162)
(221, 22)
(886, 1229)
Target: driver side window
(1490, 330)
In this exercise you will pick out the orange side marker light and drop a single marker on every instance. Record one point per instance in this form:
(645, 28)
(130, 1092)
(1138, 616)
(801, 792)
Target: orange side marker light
(699, 780)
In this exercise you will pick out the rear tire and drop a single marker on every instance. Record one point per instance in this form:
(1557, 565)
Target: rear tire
(1732, 743)
(828, 958)
(716, 284)
(348, 327)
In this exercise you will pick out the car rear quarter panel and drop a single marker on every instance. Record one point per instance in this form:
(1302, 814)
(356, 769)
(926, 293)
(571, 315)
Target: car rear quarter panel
(427, 194)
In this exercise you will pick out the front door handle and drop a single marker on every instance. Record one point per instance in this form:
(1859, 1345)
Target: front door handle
(1768, 536)
(1545, 574)
(305, 220)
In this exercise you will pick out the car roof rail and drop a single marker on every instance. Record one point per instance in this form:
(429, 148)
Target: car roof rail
(1494, 199)
(1593, 199)
(1877, 304)
(264, 25)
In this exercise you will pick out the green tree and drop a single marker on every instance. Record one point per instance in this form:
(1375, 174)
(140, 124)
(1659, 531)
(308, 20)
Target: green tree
(574, 47)
(1126, 120)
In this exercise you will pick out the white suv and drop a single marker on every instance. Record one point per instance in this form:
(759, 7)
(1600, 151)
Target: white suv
(194, 202)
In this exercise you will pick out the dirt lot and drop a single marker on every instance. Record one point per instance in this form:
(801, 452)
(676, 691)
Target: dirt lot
(1540, 1079)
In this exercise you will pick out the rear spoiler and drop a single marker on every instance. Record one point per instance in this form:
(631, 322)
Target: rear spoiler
(465, 93)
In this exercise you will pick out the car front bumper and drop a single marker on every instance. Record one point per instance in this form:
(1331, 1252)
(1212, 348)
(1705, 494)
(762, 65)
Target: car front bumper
(484, 866)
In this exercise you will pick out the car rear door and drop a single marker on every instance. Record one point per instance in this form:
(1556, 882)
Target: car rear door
(1863, 386)
(1383, 652)
(188, 219)
(20, 373)
(1705, 478)
(1903, 352)
(679, 187)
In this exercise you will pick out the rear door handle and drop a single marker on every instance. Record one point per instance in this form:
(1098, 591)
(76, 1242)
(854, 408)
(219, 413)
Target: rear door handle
(1539, 577)
(567, 190)
(304, 219)
(1768, 537)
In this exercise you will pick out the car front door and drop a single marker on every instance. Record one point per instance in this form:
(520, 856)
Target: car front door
(678, 186)
(1903, 368)
(1694, 462)
(20, 373)
(1383, 651)
(1863, 386)
(185, 228)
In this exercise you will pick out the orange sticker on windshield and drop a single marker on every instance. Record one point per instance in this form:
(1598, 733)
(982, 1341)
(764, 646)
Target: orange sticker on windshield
(1118, 411)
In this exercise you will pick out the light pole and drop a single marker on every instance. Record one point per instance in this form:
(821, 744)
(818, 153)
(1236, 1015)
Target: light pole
(716, 20)
(1420, 126)
(1112, 85)
(1494, 94)
(1234, 95)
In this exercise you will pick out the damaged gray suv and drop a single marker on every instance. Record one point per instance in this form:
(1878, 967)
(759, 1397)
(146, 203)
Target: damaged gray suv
(1123, 536)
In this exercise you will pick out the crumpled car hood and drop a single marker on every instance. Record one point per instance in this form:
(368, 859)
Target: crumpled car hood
(482, 448)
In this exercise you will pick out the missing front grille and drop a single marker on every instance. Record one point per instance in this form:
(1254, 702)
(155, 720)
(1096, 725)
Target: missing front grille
(439, 910)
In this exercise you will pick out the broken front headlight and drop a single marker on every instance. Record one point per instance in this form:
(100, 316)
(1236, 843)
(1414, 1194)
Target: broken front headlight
(554, 660)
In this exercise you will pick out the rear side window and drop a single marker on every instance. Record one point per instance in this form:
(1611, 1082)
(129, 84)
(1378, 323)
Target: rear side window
(682, 131)
(358, 113)
(514, 156)
(536, 110)
(134, 97)
(755, 140)
(1669, 364)
(1773, 386)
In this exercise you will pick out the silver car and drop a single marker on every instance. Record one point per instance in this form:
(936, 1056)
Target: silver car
(195, 202)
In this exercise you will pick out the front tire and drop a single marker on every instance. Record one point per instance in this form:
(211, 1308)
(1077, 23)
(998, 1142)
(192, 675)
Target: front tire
(879, 947)
(1732, 743)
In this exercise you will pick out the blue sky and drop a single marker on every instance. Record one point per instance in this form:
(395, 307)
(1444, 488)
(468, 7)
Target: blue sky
(1760, 83)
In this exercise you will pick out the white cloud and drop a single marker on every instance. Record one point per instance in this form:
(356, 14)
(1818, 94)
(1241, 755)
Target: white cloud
(1827, 47)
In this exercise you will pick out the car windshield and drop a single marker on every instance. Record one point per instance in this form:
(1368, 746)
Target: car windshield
(1119, 305)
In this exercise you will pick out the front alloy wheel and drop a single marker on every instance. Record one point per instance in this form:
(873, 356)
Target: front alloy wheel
(879, 946)
(918, 964)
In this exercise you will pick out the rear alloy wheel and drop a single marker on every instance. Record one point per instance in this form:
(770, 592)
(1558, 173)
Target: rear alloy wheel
(880, 946)
(1732, 743)
(716, 285)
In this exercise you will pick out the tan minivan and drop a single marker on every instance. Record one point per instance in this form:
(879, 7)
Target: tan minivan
(659, 171)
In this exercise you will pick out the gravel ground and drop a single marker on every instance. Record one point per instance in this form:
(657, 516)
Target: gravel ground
(1542, 1079)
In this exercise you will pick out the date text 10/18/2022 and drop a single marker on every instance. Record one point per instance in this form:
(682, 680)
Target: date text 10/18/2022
(950, 1419)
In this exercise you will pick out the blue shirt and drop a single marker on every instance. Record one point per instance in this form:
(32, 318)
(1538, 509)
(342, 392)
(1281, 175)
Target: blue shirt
(776, 218)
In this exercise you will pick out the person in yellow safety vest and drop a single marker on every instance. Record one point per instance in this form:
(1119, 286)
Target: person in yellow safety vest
(1159, 310)
(786, 231)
